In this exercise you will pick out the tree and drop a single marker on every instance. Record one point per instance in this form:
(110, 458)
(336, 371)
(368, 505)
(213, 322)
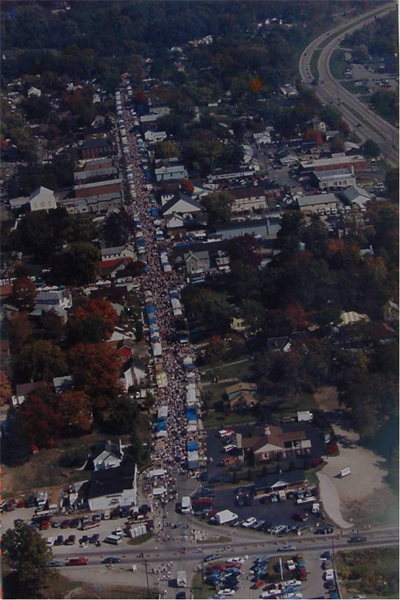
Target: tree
(370, 149)
(20, 330)
(23, 293)
(139, 331)
(218, 207)
(95, 370)
(40, 423)
(15, 446)
(75, 411)
(27, 553)
(244, 249)
(121, 417)
(313, 135)
(94, 321)
(216, 348)
(253, 314)
(336, 144)
(78, 263)
(5, 389)
(187, 186)
(52, 324)
(41, 360)
(392, 185)
(315, 238)
(291, 232)
(116, 229)
(165, 149)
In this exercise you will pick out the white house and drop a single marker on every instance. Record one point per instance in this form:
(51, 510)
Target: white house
(57, 300)
(125, 251)
(109, 488)
(107, 456)
(42, 199)
(34, 91)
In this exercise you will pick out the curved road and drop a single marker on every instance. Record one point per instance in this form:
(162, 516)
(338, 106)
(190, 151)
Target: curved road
(373, 126)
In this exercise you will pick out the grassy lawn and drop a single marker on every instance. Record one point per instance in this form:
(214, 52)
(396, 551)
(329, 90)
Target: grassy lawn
(198, 590)
(373, 573)
(61, 587)
(241, 370)
(219, 419)
(44, 470)
(141, 539)
(314, 64)
(338, 64)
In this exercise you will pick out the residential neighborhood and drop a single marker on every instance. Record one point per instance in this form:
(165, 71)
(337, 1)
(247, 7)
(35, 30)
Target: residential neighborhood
(199, 301)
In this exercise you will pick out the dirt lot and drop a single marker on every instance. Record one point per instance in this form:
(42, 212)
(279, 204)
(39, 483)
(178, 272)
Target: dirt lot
(43, 470)
(364, 491)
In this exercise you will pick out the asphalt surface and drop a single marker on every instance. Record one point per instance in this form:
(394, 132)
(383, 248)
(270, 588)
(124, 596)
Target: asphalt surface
(354, 111)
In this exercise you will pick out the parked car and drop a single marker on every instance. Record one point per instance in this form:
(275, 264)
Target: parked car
(56, 524)
(55, 563)
(59, 541)
(65, 524)
(70, 541)
(356, 539)
(74, 524)
(249, 522)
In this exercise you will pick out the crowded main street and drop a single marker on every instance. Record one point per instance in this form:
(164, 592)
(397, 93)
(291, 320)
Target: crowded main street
(169, 447)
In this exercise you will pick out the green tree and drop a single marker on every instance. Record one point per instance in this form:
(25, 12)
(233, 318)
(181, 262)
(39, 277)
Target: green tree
(392, 184)
(78, 263)
(315, 238)
(165, 149)
(292, 230)
(27, 554)
(218, 207)
(116, 229)
(122, 416)
(41, 360)
(370, 149)
(23, 293)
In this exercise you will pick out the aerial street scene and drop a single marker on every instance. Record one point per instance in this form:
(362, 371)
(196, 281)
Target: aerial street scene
(199, 299)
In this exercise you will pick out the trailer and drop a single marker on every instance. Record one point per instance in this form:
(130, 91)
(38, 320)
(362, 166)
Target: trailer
(181, 579)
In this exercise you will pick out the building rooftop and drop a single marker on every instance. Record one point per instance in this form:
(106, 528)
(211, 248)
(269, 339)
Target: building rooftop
(317, 199)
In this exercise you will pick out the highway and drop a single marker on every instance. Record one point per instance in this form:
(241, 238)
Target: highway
(329, 90)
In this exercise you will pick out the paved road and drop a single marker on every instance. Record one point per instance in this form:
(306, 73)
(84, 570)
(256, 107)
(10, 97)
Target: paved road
(372, 125)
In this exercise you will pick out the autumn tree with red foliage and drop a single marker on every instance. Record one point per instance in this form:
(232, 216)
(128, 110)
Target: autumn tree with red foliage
(244, 249)
(95, 370)
(20, 330)
(297, 316)
(100, 308)
(5, 389)
(75, 411)
(187, 186)
(41, 425)
(313, 135)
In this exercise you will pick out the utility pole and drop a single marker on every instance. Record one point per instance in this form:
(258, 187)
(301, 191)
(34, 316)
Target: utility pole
(147, 577)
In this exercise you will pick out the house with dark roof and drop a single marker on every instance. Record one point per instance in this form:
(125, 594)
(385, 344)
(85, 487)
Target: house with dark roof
(270, 442)
(23, 390)
(98, 147)
(181, 204)
(109, 488)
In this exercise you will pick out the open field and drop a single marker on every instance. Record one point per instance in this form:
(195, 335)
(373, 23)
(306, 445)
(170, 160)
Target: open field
(364, 495)
(338, 64)
(373, 573)
(44, 470)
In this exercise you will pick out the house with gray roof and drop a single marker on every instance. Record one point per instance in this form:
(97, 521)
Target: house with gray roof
(197, 262)
(356, 196)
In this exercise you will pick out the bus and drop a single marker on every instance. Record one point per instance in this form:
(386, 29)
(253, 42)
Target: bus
(186, 505)
(113, 539)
